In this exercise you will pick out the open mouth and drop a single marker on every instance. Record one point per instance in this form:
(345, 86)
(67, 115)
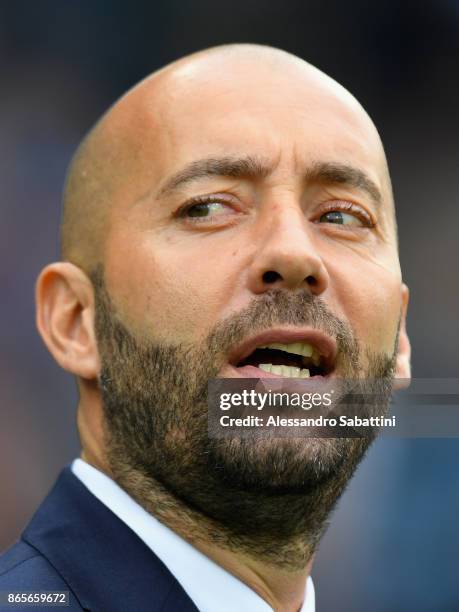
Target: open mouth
(298, 359)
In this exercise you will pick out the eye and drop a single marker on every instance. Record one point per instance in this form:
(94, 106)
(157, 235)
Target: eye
(205, 209)
(209, 209)
(346, 213)
(339, 217)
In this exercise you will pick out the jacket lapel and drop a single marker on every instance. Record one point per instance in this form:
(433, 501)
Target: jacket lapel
(107, 566)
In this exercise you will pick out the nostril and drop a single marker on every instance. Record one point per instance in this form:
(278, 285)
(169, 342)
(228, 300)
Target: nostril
(271, 277)
(311, 280)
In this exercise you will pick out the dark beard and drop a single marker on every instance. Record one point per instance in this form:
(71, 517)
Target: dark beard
(262, 497)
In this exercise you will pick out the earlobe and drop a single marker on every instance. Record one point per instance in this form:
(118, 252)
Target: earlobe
(403, 364)
(65, 318)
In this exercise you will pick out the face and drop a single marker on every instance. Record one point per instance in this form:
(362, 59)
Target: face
(259, 214)
(178, 261)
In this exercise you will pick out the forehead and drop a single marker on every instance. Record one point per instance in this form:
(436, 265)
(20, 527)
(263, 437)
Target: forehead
(283, 113)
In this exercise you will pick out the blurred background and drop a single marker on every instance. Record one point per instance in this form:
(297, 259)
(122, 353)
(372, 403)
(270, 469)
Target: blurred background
(393, 544)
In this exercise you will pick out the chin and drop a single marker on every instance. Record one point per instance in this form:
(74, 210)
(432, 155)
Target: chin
(278, 465)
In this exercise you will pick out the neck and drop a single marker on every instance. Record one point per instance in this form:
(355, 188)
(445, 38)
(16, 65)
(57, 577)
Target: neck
(279, 578)
(282, 589)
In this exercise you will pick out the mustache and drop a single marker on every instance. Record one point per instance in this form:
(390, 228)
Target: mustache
(279, 307)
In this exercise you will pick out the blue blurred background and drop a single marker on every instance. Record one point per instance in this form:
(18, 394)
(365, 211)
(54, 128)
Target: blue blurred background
(393, 544)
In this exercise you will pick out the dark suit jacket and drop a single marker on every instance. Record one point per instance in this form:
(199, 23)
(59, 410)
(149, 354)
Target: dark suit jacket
(75, 543)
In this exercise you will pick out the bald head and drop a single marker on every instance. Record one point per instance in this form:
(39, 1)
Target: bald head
(120, 160)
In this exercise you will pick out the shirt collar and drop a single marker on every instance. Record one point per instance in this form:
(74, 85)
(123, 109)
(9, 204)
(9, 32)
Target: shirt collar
(209, 585)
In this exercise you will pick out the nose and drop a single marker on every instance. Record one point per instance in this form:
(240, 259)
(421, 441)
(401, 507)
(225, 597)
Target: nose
(286, 256)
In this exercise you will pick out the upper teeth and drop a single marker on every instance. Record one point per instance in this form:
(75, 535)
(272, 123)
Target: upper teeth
(283, 370)
(297, 348)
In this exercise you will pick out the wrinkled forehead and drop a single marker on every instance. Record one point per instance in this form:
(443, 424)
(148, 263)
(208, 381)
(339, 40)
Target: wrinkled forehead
(287, 112)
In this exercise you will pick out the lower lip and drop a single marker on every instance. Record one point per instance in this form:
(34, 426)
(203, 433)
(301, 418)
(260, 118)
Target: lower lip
(250, 371)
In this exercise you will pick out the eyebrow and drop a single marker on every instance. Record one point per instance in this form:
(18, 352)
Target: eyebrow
(243, 167)
(331, 173)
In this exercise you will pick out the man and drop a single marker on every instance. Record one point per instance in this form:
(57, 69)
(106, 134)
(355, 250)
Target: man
(236, 198)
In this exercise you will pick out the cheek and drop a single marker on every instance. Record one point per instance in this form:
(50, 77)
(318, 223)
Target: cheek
(175, 293)
(371, 303)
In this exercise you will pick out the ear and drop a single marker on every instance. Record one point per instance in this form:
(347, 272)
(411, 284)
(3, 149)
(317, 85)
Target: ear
(403, 363)
(65, 318)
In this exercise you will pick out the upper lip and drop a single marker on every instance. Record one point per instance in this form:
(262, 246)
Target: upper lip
(323, 343)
